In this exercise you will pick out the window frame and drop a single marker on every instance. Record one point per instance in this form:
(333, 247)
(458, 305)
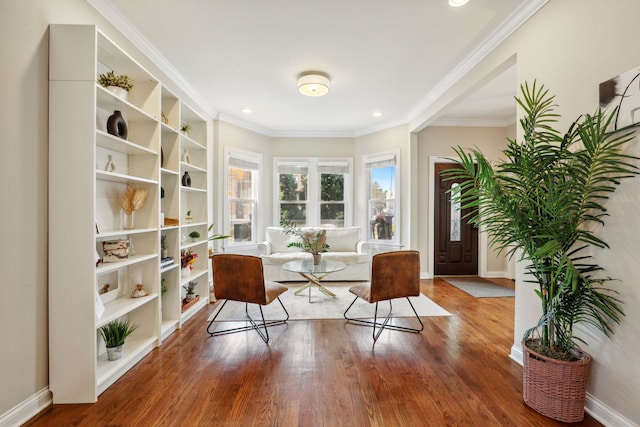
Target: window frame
(391, 158)
(314, 166)
(248, 158)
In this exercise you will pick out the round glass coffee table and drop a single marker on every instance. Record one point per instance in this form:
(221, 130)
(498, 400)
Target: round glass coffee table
(314, 273)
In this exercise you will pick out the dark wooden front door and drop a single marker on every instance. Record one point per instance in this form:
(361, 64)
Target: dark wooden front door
(455, 240)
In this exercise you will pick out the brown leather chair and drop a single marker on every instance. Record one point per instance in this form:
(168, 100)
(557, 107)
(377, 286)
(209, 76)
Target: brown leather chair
(241, 278)
(393, 275)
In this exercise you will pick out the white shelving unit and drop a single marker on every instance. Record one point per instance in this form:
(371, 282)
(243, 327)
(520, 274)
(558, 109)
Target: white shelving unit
(84, 211)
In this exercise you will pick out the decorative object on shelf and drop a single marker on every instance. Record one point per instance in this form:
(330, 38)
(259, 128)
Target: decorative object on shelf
(188, 218)
(170, 222)
(104, 289)
(161, 157)
(139, 291)
(186, 158)
(132, 246)
(186, 305)
(163, 246)
(190, 288)
(312, 241)
(543, 203)
(164, 118)
(161, 219)
(195, 235)
(132, 200)
(115, 250)
(110, 166)
(187, 258)
(119, 85)
(114, 335)
(185, 128)
(186, 179)
(163, 286)
(117, 125)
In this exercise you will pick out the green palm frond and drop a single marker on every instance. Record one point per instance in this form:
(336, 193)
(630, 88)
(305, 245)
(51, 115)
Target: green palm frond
(544, 199)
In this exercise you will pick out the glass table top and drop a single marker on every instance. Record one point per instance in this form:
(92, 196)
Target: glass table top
(308, 267)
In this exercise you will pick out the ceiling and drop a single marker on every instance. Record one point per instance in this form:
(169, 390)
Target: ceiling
(389, 57)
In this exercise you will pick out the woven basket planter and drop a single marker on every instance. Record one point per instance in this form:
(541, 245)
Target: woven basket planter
(557, 389)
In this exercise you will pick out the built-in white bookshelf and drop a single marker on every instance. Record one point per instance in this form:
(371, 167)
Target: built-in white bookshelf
(89, 171)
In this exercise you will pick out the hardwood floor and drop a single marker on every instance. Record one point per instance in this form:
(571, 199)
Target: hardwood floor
(457, 372)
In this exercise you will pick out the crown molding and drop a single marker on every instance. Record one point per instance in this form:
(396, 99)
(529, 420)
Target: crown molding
(516, 19)
(124, 25)
(480, 123)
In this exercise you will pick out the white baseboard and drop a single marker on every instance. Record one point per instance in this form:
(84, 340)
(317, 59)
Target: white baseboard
(495, 275)
(27, 409)
(594, 407)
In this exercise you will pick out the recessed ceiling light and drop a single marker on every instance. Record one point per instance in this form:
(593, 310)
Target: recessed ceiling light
(456, 3)
(247, 110)
(377, 114)
(313, 83)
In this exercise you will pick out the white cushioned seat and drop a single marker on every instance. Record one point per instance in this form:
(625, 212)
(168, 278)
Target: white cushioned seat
(344, 245)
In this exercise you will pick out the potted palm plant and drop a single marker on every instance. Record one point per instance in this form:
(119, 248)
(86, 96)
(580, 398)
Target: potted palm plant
(114, 334)
(543, 201)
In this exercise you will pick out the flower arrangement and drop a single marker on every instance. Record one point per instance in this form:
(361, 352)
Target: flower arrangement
(187, 258)
(133, 199)
(311, 241)
(112, 79)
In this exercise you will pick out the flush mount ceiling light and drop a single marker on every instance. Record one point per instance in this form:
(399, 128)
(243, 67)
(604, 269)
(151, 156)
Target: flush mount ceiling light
(456, 3)
(313, 83)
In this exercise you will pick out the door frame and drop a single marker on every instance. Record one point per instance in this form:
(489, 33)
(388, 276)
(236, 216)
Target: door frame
(482, 236)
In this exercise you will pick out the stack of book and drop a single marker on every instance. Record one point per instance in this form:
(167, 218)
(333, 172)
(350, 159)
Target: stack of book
(166, 262)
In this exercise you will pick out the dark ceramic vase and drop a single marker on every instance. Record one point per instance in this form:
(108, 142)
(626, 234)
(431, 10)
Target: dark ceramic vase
(116, 125)
(186, 179)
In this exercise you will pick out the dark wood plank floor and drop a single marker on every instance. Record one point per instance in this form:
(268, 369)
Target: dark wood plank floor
(327, 373)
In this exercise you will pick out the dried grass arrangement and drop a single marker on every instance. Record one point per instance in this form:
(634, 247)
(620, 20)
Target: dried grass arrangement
(133, 199)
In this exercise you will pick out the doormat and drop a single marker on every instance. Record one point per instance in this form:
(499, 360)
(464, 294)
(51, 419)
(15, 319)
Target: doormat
(479, 287)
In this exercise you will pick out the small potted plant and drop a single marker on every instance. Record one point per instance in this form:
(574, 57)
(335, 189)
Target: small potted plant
(190, 287)
(185, 128)
(312, 241)
(114, 334)
(163, 286)
(194, 236)
(189, 218)
(119, 85)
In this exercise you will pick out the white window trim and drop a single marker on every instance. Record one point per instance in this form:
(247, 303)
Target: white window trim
(313, 186)
(372, 159)
(252, 157)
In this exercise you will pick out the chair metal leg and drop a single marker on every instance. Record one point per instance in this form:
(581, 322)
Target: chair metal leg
(385, 324)
(255, 326)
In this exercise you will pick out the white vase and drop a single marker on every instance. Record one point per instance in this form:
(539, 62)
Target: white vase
(185, 272)
(114, 353)
(118, 91)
